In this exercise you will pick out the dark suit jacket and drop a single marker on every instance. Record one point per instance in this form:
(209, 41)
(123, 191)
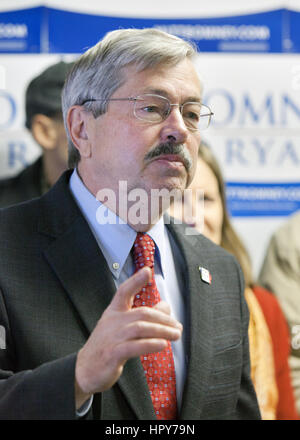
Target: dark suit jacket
(54, 286)
(27, 185)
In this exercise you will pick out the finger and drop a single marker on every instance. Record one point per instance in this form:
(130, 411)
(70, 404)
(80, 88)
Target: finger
(144, 329)
(153, 314)
(139, 347)
(164, 307)
(125, 294)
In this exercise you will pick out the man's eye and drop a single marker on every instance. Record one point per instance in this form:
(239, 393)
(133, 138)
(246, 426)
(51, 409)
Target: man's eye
(192, 116)
(151, 109)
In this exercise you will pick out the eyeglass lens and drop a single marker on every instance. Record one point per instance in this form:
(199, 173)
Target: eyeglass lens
(154, 108)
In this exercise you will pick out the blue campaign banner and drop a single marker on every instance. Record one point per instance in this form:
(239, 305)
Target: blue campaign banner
(262, 199)
(73, 32)
(49, 30)
(21, 31)
(293, 35)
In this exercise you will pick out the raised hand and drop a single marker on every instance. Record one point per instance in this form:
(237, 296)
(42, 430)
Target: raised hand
(121, 333)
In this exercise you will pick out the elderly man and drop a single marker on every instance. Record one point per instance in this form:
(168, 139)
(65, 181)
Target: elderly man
(106, 311)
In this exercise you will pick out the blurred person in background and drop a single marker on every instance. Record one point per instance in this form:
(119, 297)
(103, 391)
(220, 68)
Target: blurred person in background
(268, 331)
(280, 273)
(45, 122)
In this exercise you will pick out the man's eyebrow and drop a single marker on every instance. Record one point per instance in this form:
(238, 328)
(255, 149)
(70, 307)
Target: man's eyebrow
(165, 94)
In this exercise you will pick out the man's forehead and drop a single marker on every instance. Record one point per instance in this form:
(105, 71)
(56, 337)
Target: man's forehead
(160, 81)
(164, 92)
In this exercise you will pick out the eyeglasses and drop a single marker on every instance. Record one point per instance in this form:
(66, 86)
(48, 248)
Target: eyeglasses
(155, 109)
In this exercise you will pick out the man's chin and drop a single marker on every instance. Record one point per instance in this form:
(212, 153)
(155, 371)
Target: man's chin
(172, 180)
(171, 186)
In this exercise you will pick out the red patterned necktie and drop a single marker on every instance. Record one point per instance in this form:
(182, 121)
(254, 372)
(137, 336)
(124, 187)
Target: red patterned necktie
(159, 367)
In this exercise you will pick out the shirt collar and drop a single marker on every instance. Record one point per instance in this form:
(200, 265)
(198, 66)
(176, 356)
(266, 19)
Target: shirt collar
(115, 238)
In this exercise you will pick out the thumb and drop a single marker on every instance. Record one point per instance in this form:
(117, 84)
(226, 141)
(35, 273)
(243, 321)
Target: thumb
(125, 294)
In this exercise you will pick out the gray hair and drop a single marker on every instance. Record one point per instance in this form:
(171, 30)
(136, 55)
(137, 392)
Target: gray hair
(98, 72)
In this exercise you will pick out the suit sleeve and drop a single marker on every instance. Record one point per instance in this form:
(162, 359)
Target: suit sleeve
(46, 392)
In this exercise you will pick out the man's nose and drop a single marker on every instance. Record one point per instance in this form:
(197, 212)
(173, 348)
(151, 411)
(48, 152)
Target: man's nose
(174, 128)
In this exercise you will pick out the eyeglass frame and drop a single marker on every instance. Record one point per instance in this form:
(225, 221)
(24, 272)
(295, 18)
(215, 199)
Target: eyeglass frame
(136, 98)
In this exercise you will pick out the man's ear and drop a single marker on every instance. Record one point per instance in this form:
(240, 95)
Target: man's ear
(77, 119)
(44, 132)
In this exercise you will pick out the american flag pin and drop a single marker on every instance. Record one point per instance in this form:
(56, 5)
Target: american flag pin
(205, 275)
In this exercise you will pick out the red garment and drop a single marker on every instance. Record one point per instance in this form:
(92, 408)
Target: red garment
(286, 409)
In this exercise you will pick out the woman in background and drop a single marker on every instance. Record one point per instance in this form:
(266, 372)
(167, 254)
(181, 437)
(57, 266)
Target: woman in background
(268, 332)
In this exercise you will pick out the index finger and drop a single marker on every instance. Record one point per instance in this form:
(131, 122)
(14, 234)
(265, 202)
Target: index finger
(125, 294)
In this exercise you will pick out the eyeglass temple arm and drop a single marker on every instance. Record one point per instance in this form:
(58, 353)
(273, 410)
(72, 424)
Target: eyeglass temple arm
(108, 99)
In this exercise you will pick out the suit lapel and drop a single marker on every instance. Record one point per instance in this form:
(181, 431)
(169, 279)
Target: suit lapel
(83, 272)
(79, 264)
(199, 311)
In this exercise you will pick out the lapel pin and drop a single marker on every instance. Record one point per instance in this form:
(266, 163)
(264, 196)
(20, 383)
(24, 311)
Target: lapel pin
(205, 275)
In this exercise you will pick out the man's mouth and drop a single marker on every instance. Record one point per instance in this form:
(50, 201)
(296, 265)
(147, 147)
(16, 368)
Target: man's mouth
(170, 158)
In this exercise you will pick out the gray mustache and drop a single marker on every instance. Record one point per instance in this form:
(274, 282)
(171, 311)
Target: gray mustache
(171, 148)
